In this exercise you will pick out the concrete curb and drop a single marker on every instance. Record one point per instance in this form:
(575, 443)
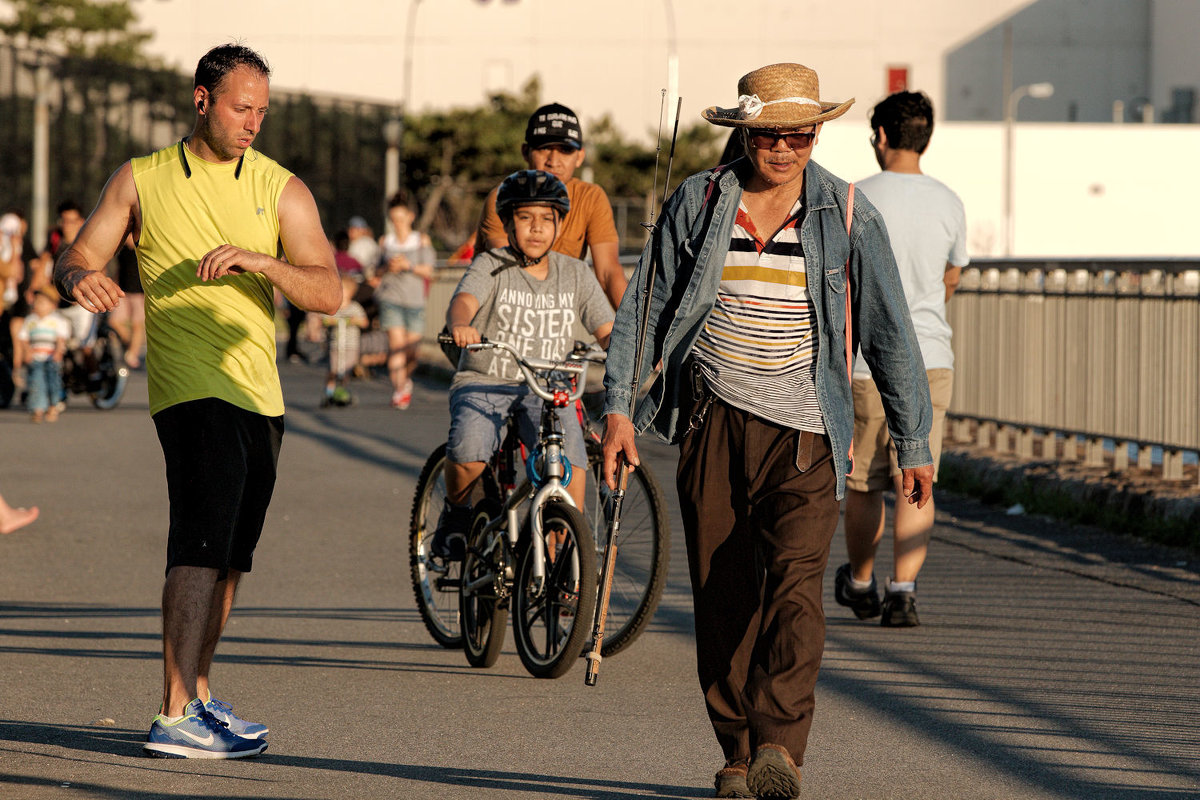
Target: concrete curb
(1133, 501)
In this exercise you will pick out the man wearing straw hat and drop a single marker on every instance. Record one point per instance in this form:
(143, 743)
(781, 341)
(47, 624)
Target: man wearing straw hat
(748, 323)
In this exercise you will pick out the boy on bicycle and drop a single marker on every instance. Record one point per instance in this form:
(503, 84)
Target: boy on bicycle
(530, 297)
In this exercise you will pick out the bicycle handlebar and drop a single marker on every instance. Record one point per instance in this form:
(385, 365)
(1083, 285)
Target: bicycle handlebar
(581, 356)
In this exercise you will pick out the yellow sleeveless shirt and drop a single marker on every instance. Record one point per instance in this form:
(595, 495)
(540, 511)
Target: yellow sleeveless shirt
(217, 338)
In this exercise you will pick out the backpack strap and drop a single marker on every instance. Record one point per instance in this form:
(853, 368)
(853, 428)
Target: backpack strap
(712, 184)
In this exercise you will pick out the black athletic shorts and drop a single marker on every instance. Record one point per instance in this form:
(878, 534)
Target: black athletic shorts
(220, 475)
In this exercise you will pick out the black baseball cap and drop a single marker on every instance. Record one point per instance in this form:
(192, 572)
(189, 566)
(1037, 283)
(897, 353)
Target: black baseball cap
(554, 124)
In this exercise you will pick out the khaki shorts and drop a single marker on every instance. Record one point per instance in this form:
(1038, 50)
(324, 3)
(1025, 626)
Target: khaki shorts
(875, 462)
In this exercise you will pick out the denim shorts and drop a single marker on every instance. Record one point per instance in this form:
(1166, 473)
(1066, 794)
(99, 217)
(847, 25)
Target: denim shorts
(478, 413)
(393, 316)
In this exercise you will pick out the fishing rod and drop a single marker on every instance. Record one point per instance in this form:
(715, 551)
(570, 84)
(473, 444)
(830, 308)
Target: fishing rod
(623, 467)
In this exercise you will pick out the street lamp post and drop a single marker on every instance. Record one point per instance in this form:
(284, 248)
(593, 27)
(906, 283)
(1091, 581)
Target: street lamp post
(39, 208)
(393, 129)
(393, 134)
(1036, 90)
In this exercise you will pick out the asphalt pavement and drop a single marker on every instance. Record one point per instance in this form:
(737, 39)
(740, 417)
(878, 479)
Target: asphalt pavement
(1053, 662)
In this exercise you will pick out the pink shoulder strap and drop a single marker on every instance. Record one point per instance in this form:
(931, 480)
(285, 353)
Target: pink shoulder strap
(849, 327)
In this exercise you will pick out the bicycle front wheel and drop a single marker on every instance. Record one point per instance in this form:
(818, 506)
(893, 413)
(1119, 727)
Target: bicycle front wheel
(643, 551)
(551, 621)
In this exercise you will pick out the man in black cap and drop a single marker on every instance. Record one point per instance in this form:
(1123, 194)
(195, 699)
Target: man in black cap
(554, 144)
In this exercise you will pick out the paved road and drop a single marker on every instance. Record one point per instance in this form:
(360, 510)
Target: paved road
(1055, 663)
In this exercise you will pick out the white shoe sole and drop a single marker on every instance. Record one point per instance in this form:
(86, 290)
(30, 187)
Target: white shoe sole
(160, 750)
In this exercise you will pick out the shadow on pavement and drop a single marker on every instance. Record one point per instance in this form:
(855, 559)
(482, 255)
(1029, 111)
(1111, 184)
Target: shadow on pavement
(96, 790)
(494, 781)
(119, 742)
(296, 653)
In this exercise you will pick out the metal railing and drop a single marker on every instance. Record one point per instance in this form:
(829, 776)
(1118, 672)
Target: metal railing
(1075, 359)
(1060, 360)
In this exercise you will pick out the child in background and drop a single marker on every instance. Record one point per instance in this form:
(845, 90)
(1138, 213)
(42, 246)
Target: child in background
(408, 267)
(44, 338)
(345, 328)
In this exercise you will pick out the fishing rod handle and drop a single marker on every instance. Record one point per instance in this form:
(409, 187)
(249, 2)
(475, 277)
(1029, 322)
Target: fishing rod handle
(593, 655)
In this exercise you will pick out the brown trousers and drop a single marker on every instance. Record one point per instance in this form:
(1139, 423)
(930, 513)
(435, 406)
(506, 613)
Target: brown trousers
(758, 531)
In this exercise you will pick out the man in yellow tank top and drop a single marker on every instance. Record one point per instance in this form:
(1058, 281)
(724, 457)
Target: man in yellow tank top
(209, 215)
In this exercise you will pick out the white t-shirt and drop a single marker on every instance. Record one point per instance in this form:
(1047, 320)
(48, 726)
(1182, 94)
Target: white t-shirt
(928, 229)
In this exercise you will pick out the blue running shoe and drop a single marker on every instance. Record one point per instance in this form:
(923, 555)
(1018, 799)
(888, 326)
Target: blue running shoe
(198, 735)
(224, 714)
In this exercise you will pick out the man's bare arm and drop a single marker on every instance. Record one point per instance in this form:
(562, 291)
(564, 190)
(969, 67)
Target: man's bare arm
(79, 273)
(952, 277)
(309, 277)
(609, 271)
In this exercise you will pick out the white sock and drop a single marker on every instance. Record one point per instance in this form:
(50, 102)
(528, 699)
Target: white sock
(169, 720)
(906, 586)
(860, 586)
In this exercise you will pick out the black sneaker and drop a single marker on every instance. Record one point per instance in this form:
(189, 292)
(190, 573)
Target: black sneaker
(899, 610)
(449, 539)
(864, 603)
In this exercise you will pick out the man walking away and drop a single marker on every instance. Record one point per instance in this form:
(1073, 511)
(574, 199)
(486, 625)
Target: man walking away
(928, 231)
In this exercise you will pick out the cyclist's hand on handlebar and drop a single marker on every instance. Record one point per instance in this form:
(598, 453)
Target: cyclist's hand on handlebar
(618, 444)
(465, 335)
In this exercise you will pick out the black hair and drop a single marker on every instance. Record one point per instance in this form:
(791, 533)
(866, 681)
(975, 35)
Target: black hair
(223, 59)
(341, 241)
(906, 119)
(68, 205)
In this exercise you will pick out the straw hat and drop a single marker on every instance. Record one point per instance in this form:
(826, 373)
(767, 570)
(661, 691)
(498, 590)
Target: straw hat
(778, 96)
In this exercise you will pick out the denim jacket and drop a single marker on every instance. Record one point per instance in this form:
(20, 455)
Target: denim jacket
(692, 240)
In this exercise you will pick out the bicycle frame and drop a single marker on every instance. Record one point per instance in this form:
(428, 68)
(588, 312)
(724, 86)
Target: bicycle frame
(550, 484)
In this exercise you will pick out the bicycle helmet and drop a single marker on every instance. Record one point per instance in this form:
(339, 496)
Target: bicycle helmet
(529, 187)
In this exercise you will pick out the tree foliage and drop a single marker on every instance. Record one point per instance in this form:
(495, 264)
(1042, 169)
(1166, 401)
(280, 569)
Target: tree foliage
(454, 158)
(99, 29)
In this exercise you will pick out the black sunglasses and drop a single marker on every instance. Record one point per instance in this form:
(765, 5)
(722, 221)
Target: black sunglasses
(765, 140)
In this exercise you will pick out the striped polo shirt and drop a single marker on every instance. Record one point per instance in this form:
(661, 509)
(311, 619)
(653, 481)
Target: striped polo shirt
(758, 350)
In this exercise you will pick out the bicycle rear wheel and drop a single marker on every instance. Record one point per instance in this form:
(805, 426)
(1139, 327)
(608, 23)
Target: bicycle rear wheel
(552, 622)
(109, 352)
(436, 582)
(643, 552)
(483, 601)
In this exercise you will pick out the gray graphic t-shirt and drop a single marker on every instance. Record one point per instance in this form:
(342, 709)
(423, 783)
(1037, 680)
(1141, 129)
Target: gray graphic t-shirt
(535, 317)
